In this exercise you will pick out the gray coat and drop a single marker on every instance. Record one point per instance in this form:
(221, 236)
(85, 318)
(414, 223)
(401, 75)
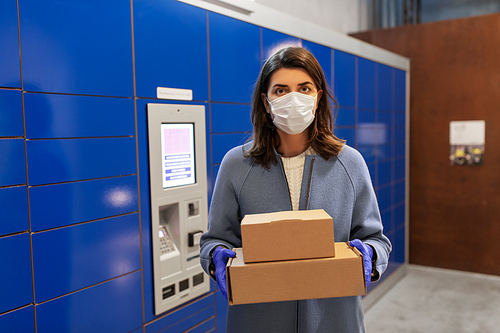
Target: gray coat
(341, 186)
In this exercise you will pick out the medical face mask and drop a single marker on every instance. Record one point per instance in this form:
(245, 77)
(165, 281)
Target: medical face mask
(293, 112)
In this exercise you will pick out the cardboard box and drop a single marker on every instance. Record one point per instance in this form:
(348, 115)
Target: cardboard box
(288, 235)
(342, 275)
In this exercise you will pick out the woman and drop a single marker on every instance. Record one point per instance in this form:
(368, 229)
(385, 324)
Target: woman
(294, 162)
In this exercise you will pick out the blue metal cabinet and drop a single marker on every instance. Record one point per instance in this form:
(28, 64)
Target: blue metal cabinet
(367, 118)
(398, 252)
(11, 112)
(273, 41)
(399, 90)
(384, 196)
(385, 173)
(184, 318)
(384, 151)
(324, 56)
(400, 122)
(171, 50)
(53, 161)
(348, 134)
(385, 118)
(15, 275)
(387, 221)
(10, 68)
(67, 116)
(346, 117)
(13, 209)
(20, 320)
(226, 118)
(112, 306)
(385, 91)
(399, 149)
(366, 84)
(222, 143)
(64, 204)
(399, 193)
(234, 58)
(71, 258)
(13, 162)
(344, 78)
(399, 167)
(77, 47)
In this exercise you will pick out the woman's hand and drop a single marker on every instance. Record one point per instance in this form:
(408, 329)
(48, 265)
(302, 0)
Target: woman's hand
(367, 252)
(220, 257)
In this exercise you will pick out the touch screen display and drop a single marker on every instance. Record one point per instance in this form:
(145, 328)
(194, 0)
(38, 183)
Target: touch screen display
(177, 146)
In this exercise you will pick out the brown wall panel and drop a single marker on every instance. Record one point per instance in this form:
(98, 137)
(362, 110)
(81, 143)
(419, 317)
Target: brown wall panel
(455, 75)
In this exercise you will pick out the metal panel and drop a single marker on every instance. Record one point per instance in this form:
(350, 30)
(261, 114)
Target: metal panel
(399, 169)
(348, 134)
(10, 69)
(113, 306)
(344, 78)
(324, 56)
(400, 90)
(399, 195)
(386, 119)
(15, 275)
(188, 322)
(180, 314)
(384, 151)
(63, 116)
(11, 111)
(366, 84)
(53, 161)
(75, 47)
(384, 173)
(13, 162)
(63, 204)
(234, 59)
(384, 87)
(346, 117)
(273, 40)
(399, 244)
(384, 198)
(13, 209)
(71, 258)
(369, 152)
(20, 321)
(222, 143)
(231, 118)
(170, 47)
(387, 221)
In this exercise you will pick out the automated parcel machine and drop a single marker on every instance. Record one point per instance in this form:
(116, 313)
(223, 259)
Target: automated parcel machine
(179, 212)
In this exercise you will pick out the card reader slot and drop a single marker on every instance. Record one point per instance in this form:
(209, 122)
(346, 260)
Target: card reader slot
(168, 291)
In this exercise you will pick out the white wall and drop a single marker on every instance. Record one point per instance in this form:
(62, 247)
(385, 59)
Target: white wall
(344, 16)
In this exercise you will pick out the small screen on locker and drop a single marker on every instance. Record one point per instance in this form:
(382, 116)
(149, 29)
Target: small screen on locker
(178, 159)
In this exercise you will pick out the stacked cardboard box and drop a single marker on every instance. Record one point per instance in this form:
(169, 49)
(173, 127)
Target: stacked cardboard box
(291, 256)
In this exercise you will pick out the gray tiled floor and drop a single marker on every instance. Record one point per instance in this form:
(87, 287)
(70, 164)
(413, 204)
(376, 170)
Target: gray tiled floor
(438, 300)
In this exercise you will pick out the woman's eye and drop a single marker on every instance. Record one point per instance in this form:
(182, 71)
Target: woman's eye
(305, 89)
(279, 91)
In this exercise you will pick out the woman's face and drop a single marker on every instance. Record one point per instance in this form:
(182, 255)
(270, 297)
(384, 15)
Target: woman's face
(286, 80)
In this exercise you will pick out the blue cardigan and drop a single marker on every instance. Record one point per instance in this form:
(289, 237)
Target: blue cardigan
(341, 186)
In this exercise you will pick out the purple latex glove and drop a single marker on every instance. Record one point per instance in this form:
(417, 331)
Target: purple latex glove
(220, 257)
(367, 252)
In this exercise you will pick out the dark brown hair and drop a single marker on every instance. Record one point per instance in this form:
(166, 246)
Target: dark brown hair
(320, 132)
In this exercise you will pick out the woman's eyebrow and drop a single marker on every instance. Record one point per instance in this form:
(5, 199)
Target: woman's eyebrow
(280, 85)
(304, 83)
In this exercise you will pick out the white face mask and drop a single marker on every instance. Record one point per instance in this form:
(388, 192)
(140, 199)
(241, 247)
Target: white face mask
(293, 112)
